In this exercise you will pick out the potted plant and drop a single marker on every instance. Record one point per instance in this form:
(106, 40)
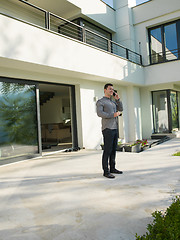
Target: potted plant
(144, 144)
(135, 147)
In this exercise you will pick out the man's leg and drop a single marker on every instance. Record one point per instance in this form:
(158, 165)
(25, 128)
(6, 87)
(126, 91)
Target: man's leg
(108, 145)
(112, 161)
(113, 154)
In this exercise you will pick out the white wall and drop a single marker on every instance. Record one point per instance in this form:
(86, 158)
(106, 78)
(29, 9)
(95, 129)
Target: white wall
(146, 113)
(47, 49)
(134, 113)
(162, 73)
(91, 123)
(155, 9)
(51, 111)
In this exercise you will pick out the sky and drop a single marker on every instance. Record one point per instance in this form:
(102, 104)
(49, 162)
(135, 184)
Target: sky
(110, 2)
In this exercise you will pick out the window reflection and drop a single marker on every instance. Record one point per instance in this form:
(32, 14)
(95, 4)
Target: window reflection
(174, 110)
(18, 130)
(156, 45)
(160, 112)
(171, 42)
(164, 45)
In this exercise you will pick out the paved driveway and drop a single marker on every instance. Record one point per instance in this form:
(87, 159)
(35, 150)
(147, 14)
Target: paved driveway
(65, 197)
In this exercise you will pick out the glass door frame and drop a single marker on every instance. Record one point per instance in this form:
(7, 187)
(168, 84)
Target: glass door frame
(73, 113)
(169, 111)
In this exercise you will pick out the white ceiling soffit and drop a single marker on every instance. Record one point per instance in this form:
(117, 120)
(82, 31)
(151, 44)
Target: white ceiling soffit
(62, 8)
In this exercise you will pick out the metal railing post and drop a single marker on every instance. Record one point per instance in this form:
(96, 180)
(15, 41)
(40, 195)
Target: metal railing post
(140, 59)
(109, 45)
(47, 20)
(127, 53)
(83, 35)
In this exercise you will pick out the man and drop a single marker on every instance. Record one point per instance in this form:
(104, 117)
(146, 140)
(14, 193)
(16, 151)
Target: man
(109, 110)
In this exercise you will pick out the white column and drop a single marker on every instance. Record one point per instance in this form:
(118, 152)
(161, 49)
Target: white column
(134, 114)
(124, 23)
(147, 116)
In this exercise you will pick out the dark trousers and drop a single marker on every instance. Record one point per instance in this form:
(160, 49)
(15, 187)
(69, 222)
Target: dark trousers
(110, 144)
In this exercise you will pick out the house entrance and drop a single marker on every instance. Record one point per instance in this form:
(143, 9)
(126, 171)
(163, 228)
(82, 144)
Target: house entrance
(56, 117)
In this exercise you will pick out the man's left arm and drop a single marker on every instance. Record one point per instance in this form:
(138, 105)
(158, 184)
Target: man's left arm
(119, 104)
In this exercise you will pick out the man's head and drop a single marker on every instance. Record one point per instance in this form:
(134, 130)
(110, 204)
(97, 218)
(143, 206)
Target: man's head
(108, 90)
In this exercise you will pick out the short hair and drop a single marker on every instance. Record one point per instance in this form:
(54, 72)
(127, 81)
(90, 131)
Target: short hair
(107, 84)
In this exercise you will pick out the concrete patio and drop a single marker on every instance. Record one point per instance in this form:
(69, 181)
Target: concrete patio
(65, 197)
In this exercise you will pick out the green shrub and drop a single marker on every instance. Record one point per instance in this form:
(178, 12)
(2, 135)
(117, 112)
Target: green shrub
(176, 154)
(164, 226)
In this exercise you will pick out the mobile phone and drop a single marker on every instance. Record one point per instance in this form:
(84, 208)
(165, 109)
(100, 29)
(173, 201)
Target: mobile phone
(114, 93)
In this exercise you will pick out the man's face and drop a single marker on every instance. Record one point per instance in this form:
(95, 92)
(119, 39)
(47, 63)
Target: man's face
(109, 91)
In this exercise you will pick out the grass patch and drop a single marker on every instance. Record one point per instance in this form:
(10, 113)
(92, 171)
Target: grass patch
(176, 154)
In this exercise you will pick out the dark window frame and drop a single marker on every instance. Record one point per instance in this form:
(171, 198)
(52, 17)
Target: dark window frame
(161, 26)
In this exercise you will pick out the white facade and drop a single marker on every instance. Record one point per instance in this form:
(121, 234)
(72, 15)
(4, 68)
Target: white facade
(32, 52)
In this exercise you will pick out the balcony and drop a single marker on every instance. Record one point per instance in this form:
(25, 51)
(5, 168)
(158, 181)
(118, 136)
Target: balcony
(39, 17)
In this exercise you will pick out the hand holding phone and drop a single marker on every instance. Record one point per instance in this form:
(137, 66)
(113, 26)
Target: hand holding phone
(114, 93)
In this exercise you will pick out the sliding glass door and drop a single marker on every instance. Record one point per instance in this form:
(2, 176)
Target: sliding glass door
(18, 121)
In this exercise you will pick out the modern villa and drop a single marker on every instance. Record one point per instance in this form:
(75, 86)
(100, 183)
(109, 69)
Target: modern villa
(56, 56)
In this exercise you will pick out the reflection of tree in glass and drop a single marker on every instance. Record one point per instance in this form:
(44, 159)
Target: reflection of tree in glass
(174, 111)
(18, 114)
(12, 88)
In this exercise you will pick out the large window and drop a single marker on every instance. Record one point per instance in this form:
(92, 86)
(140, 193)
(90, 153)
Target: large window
(160, 112)
(166, 110)
(18, 121)
(164, 42)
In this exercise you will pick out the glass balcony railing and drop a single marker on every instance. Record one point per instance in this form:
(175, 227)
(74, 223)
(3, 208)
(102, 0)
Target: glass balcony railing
(40, 17)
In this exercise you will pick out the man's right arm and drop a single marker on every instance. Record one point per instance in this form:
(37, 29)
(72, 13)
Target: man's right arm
(100, 111)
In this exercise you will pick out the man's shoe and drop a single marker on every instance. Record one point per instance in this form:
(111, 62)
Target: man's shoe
(108, 175)
(116, 171)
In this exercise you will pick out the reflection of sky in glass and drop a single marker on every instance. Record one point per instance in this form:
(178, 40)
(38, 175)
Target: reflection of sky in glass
(141, 1)
(110, 2)
(156, 33)
(170, 36)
